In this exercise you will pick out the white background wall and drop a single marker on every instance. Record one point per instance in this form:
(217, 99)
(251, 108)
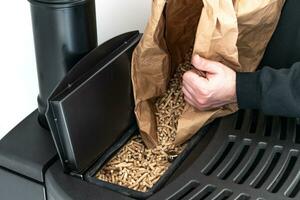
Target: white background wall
(18, 79)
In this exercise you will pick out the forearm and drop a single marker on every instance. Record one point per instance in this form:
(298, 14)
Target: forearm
(275, 92)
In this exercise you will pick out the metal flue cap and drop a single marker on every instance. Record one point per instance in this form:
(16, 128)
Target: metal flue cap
(58, 3)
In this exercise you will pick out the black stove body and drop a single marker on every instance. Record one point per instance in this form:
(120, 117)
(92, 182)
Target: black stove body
(244, 156)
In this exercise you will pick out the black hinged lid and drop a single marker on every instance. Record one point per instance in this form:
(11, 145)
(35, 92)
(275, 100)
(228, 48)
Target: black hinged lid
(93, 105)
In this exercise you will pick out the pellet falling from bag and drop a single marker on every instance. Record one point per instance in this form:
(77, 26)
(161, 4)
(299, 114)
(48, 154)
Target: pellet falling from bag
(139, 168)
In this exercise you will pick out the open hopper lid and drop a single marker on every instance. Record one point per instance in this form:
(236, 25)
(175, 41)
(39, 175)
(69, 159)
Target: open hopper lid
(93, 105)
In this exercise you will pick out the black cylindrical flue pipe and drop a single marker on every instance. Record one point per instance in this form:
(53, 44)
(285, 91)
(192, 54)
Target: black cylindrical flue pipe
(64, 31)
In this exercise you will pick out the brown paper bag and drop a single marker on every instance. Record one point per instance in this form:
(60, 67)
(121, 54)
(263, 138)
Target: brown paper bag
(234, 32)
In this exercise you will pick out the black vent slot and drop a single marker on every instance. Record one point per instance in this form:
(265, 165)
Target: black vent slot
(254, 121)
(240, 119)
(243, 197)
(269, 123)
(294, 188)
(284, 173)
(283, 128)
(185, 190)
(268, 168)
(204, 193)
(219, 157)
(225, 194)
(297, 138)
(236, 160)
(251, 164)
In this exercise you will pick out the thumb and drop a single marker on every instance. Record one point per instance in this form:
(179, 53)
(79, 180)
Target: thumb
(204, 64)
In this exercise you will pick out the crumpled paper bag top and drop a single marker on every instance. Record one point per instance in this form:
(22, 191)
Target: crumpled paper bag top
(235, 33)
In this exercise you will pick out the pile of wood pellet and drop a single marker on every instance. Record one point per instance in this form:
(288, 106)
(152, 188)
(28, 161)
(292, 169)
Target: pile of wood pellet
(139, 168)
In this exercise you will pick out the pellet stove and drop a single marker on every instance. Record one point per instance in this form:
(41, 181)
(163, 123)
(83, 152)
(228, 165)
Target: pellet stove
(86, 111)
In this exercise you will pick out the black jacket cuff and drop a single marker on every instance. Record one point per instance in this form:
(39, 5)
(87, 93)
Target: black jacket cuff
(248, 90)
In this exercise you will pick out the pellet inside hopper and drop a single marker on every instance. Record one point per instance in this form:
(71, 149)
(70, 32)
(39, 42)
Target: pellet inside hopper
(139, 168)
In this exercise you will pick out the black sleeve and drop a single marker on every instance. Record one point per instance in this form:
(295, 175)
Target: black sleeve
(274, 91)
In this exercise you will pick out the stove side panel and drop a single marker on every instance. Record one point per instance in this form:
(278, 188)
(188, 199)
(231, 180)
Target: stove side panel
(13, 187)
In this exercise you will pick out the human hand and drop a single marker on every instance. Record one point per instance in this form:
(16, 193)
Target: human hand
(216, 89)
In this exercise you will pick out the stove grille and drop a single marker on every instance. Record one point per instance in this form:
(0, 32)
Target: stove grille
(250, 156)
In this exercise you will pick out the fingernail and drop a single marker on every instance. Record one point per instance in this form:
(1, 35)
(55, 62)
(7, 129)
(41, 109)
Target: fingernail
(198, 58)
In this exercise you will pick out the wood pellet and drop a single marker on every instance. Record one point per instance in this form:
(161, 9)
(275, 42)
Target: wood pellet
(139, 168)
